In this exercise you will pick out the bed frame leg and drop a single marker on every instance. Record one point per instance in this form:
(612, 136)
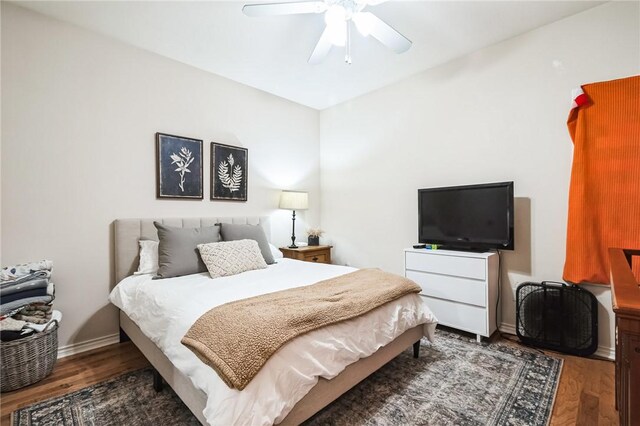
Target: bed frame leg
(416, 349)
(157, 381)
(123, 336)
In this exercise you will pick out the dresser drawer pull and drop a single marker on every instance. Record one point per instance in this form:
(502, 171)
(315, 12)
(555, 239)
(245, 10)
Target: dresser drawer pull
(315, 258)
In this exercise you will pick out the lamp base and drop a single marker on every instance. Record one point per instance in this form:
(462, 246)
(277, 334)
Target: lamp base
(293, 231)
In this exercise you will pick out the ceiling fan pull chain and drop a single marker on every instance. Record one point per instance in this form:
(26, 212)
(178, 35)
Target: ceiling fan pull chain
(347, 56)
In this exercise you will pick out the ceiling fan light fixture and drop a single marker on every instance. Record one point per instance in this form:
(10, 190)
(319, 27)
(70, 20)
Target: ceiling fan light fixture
(335, 15)
(365, 22)
(337, 33)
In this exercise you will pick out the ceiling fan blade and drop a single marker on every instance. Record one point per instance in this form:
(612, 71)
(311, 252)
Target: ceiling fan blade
(386, 35)
(322, 48)
(293, 8)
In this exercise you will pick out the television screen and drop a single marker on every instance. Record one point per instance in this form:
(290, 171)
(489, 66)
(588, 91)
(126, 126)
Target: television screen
(467, 217)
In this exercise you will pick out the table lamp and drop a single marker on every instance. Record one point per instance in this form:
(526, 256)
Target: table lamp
(294, 200)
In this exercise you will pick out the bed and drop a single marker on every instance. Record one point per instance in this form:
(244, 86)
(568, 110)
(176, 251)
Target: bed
(295, 383)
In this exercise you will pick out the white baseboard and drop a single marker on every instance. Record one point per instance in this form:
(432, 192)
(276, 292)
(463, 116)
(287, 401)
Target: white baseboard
(606, 352)
(507, 328)
(602, 351)
(87, 345)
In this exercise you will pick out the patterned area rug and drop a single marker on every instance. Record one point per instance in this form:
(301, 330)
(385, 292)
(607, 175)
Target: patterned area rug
(454, 382)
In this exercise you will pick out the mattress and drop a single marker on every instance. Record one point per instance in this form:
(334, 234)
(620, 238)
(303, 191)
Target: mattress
(165, 309)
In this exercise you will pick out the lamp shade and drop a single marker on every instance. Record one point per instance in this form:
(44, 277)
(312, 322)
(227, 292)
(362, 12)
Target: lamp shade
(294, 200)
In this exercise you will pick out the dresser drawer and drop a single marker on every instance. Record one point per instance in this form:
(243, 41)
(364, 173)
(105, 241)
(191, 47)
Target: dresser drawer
(316, 257)
(457, 289)
(458, 266)
(463, 317)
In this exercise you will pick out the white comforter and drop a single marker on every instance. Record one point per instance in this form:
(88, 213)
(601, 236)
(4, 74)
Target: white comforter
(165, 309)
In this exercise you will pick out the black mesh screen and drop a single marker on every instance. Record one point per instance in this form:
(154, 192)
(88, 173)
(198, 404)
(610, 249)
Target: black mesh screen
(558, 317)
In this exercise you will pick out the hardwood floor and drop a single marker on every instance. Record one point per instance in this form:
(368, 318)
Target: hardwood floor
(585, 393)
(73, 373)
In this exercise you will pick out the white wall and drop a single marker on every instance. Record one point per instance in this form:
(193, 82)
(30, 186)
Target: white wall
(79, 114)
(1, 144)
(496, 115)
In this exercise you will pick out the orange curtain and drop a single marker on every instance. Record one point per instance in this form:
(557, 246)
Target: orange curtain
(604, 195)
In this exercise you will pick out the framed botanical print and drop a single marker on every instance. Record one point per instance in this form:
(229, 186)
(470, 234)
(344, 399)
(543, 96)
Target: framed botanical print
(178, 167)
(229, 172)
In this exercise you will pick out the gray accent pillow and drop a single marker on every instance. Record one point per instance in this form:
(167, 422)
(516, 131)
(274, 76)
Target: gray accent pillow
(233, 232)
(178, 249)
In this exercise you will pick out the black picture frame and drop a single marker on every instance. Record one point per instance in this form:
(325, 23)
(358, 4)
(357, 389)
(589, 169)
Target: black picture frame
(229, 172)
(173, 153)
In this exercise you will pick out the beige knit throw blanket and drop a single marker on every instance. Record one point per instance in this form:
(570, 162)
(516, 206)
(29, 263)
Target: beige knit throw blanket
(236, 339)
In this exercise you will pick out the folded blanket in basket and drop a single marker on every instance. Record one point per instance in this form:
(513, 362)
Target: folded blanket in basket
(37, 309)
(18, 287)
(33, 320)
(236, 339)
(16, 271)
(55, 316)
(7, 308)
(23, 295)
(39, 300)
(34, 276)
(8, 336)
(11, 324)
(37, 313)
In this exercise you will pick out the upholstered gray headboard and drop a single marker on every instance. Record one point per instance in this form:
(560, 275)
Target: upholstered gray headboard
(129, 231)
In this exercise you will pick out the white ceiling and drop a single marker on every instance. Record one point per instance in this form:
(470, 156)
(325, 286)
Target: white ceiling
(271, 53)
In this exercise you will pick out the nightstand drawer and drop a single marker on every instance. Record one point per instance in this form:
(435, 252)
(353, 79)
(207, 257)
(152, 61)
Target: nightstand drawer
(458, 266)
(457, 289)
(318, 254)
(316, 257)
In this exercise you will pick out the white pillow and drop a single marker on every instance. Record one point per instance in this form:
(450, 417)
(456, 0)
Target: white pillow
(277, 254)
(231, 257)
(148, 257)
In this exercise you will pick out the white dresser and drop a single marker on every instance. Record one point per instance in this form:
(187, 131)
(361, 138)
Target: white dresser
(461, 288)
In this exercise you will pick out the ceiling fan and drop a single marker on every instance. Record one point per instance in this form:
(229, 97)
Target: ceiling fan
(338, 16)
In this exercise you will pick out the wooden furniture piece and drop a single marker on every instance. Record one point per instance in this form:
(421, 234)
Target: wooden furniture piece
(625, 298)
(461, 288)
(319, 254)
(127, 234)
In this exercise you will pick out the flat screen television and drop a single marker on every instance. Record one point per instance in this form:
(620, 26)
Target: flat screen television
(470, 217)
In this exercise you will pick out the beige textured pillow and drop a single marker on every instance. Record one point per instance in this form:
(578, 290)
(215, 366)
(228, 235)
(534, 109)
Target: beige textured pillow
(231, 257)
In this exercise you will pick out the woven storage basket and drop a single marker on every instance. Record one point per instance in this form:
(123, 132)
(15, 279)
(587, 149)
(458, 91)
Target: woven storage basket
(29, 360)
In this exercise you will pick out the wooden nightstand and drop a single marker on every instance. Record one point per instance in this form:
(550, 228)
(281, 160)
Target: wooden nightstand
(320, 254)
